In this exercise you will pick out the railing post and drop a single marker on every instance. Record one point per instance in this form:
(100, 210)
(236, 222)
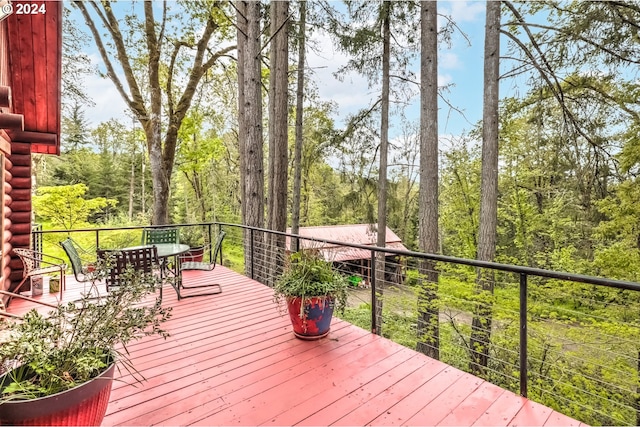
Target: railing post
(523, 335)
(374, 303)
(252, 256)
(210, 240)
(97, 239)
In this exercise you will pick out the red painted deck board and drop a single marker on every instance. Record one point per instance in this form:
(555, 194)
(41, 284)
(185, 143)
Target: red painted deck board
(474, 405)
(232, 359)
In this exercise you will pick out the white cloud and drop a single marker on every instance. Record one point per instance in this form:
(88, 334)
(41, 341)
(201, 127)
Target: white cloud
(352, 92)
(444, 79)
(449, 61)
(108, 102)
(466, 11)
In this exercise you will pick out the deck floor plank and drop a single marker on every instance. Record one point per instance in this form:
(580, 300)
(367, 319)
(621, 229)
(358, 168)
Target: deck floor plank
(502, 411)
(448, 400)
(370, 409)
(473, 406)
(265, 409)
(406, 408)
(231, 359)
(325, 398)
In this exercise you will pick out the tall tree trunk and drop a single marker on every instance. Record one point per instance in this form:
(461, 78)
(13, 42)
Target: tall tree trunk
(143, 186)
(241, 36)
(481, 324)
(253, 150)
(428, 318)
(636, 402)
(132, 185)
(297, 156)
(278, 132)
(160, 176)
(144, 97)
(382, 176)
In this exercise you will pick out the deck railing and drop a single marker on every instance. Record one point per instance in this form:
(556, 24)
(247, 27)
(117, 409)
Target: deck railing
(568, 341)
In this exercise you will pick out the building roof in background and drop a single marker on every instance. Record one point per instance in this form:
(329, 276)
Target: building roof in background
(361, 234)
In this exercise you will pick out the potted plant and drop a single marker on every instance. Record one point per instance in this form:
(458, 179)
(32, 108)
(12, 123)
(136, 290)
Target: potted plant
(312, 289)
(57, 369)
(195, 238)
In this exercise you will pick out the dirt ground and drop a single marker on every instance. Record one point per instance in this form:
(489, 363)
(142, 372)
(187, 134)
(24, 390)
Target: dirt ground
(358, 296)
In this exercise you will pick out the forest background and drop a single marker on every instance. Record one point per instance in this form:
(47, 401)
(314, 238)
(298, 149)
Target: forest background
(227, 124)
(568, 198)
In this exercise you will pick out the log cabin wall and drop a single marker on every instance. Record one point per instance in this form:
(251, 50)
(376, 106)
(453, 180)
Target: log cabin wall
(5, 186)
(30, 96)
(19, 228)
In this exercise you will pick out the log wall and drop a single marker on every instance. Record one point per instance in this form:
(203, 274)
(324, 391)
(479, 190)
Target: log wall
(19, 204)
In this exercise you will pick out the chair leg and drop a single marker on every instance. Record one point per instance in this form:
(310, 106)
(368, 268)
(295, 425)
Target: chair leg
(216, 285)
(16, 290)
(63, 284)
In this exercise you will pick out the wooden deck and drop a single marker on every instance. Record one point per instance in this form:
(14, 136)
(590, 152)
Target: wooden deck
(232, 359)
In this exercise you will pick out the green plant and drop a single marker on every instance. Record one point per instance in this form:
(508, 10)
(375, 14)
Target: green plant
(307, 276)
(75, 342)
(192, 236)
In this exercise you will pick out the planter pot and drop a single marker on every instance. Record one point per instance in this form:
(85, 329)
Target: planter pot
(316, 316)
(194, 254)
(84, 405)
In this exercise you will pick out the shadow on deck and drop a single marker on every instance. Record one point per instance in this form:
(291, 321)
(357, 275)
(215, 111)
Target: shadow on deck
(232, 359)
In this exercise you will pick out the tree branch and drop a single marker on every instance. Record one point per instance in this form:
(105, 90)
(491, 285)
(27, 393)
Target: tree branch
(136, 102)
(577, 36)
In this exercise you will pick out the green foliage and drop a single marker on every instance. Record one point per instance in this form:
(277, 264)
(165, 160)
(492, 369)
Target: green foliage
(460, 200)
(65, 206)
(77, 341)
(582, 353)
(307, 276)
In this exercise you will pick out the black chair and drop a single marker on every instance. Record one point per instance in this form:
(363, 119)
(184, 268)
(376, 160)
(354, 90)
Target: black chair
(187, 263)
(122, 262)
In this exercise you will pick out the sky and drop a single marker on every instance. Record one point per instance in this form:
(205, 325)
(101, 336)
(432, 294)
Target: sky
(459, 66)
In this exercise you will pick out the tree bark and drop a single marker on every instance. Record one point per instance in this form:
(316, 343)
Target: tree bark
(297, 156)
(253, 152)
(241, 37)
(428, 317)
(278, 132)
(382, 174)
(132, 185)
(482, 319)
(145, 98)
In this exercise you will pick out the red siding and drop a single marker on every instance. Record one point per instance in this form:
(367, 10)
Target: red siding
(35, 64)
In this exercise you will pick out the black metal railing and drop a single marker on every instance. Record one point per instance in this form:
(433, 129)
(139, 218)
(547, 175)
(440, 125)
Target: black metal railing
(574, 320)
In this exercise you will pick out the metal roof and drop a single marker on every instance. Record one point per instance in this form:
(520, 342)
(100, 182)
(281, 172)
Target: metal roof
(361, 234)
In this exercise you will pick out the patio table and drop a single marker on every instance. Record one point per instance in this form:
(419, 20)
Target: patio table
(165, 250)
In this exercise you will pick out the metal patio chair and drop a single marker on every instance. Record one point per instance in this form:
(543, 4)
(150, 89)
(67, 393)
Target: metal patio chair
(82, 261)
(187, 263)
(120, 261)
(151, 236)
(3, 306)
(38, 263)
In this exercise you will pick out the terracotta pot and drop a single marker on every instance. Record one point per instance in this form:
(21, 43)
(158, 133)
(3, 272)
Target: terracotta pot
(84, 405)
(316, 316)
